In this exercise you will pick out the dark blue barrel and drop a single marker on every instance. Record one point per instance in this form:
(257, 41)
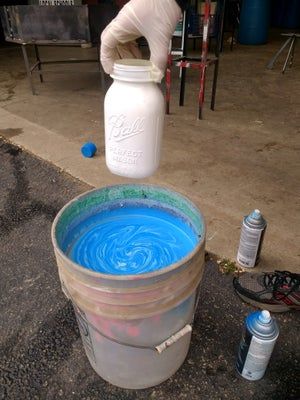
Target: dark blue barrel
(278, 10)
(286, 14)
(254, 21)
(292, 19)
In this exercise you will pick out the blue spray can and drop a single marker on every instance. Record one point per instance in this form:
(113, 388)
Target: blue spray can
(252, 235)
(258, 340)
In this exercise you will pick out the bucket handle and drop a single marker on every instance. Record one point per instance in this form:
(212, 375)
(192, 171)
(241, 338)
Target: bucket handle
(158, 348)
(173, 339)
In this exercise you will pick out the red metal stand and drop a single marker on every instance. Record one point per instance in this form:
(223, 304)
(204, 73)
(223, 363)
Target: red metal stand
(196, 63)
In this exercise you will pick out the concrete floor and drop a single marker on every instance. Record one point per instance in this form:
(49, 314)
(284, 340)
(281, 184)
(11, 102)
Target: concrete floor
(245, 155)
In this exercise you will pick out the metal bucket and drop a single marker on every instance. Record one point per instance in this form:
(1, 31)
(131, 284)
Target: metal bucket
(135, 329)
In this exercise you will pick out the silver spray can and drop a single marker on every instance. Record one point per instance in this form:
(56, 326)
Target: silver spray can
(252, 235)
(258, 340)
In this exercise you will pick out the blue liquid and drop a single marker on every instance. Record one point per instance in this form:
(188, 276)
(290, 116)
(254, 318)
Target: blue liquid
(130, 240)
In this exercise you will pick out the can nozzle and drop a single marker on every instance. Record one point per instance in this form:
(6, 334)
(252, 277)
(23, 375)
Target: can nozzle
(264, 317)
(256, 214)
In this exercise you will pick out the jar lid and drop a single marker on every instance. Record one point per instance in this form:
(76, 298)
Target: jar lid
(134, 70)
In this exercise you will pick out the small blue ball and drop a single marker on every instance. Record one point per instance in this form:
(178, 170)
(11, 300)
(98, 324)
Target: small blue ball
(88, 149)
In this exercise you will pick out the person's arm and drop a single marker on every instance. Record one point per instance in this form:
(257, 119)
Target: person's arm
(154, 19)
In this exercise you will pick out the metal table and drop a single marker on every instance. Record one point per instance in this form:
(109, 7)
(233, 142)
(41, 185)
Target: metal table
(48, 26)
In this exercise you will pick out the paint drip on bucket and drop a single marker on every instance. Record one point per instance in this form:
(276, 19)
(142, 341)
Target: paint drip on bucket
(253, 230)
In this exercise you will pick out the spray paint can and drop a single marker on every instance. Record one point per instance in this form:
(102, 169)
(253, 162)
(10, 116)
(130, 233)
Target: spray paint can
(258, 340)
(252, 235)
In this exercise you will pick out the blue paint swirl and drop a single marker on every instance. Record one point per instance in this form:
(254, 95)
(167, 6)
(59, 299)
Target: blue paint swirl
(130, 240)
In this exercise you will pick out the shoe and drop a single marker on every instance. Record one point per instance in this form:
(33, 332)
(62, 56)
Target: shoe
(277, 291)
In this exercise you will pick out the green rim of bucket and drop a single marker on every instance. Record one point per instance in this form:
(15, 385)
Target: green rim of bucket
(107, 194)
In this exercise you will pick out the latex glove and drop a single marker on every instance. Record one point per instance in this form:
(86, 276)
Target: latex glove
(154, 19)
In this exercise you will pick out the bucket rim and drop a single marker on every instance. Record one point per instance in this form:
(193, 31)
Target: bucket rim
(129, 277)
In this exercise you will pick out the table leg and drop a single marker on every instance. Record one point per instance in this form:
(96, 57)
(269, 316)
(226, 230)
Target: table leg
(27, 66)
(274, 58)
(293, 52)
(289, 54)
(37, 54)
(102, 73)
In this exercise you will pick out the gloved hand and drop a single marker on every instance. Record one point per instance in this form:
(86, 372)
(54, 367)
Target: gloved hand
(154, 19)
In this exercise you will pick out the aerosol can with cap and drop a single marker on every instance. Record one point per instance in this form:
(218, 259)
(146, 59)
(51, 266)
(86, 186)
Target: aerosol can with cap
(258, 340)
(252, 235)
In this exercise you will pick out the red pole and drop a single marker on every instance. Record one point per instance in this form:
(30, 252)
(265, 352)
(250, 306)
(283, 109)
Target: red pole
(168, 83)
(203, 64)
